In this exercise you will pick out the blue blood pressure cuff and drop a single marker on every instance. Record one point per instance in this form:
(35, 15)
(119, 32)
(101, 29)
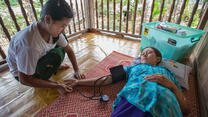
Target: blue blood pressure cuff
(118, 73)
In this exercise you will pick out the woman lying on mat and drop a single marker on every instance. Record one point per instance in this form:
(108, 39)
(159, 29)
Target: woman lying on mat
(150, 90)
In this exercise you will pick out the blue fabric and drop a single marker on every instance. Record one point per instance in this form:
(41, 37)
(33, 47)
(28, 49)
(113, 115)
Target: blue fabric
(125, 109)
(150, 96)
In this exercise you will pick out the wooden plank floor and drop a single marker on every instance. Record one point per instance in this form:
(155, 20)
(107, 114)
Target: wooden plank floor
(90, 49)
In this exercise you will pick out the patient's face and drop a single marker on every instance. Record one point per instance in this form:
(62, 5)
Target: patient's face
(148, 56)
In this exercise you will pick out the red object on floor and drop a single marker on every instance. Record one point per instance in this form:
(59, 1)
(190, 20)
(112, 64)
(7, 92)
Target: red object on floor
(75, 105)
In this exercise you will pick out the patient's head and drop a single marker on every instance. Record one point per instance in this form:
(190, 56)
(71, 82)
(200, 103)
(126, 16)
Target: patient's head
(151, 55)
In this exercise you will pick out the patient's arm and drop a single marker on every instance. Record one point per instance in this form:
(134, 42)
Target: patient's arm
(162, 80)
(89, 81)
(182, 100)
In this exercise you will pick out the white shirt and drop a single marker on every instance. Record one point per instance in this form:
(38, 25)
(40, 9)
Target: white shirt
(27, 47)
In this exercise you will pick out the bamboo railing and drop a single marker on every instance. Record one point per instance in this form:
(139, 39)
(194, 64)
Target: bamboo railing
(126, 23)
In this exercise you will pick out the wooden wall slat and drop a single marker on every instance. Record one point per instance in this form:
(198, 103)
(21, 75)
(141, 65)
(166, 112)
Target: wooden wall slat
(114, 14)
(193, 13)
(96, 9)
(161, 10)
(121, 6)
(171, 10)
(23, 12)
(83, 18)
(5, 29)
(102, 14)
(142, 18)
(73, 17)
(77, 9)
(12, 15)
(181, 12)
(107, 14)
(152, 8)
(127, 17)
(135, 12)
(33, 9)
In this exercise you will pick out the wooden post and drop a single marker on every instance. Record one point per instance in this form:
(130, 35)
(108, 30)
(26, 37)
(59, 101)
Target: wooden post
(161, 10)
(142, 18)
(83, 17)
(12, 15)
(89, 11)
(181, 12)
(3, 55)
(171, 11)
(5, 29)
(193, 13)
(204, 19)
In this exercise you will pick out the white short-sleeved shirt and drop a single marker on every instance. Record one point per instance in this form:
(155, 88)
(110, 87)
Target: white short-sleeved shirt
(27, 47)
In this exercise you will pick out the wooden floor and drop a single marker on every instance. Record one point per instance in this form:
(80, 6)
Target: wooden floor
(90, 49)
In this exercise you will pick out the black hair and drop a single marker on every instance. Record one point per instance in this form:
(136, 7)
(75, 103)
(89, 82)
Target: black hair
(57, 9)
(157, 53)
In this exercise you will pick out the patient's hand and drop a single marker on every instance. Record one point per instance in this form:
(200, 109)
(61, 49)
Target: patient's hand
(72, 82)
(162, 80)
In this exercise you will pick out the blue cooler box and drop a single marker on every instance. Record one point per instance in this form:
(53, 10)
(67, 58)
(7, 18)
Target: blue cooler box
(171, 45)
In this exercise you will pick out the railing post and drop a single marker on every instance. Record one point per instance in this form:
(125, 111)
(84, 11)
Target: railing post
(3, 55)
(204, 19)
(89, 12)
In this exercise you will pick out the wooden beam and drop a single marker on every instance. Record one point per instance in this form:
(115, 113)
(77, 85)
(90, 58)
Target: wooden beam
(204, 19)
(23, 12)
(107, 14)
(181, 12)
(152, 8)
(161, 10)
(12, 15)
(76, 33)
(193, 13)
(142, 18)
(135, 12)
(171, 11)
(127, 17)
(119, 33)
(89, 6)
(114, 14)
(83, 17)
(33, 9)
(71, 4)
(96, 9)
(77, 9)
(120, 23)
(5, 29)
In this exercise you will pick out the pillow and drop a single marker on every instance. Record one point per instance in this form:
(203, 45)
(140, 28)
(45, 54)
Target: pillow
(181, 71)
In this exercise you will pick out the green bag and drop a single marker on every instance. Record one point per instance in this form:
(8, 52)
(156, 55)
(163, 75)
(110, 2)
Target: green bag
(49, 64)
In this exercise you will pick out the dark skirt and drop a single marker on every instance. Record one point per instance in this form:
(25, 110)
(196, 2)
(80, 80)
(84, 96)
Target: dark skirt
(125, 109)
